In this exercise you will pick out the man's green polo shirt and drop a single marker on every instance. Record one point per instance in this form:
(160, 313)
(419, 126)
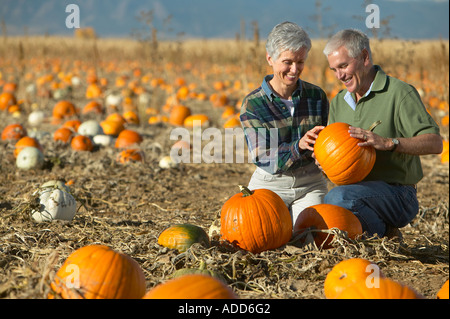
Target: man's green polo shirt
(402, 114)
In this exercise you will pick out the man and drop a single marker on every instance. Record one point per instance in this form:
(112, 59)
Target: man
(386, 199)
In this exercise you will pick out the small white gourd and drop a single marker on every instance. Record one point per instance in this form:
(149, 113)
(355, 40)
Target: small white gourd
(104, 140)
(35, 118)
(167, 162)
(90, 128)
(55, 203)
(30, 158)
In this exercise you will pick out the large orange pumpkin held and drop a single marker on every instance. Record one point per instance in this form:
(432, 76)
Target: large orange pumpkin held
(341, 158)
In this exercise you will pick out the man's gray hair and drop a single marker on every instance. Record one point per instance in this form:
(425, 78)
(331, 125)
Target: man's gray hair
(353, 40)
(287, 36)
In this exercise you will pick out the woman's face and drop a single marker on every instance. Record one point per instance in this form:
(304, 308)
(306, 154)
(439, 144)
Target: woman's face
(287, 68)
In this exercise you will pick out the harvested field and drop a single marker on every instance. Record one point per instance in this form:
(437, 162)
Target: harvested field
(126, 206)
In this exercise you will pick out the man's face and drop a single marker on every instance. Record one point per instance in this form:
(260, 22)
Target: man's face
(351, 71)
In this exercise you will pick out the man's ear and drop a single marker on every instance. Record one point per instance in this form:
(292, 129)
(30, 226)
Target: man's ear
(366, 57)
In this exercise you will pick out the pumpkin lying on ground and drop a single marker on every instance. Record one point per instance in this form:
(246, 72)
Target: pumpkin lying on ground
(14, 132)
(82, 143)
(178, 114)
(127, 138)
(193, 286)
(182, 236)
(99, 272)
(63, 109)
(341, 159)
(383, 288)
(347, 272)
(130, 155)
(202, 270)
(256, 220)
(26, 141)
(30, 158)
(327, 216)
(63, 134)
(443, 292)
(55, 203)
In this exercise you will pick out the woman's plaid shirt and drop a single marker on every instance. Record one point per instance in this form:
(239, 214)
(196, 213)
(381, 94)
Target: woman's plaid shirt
(273, 134)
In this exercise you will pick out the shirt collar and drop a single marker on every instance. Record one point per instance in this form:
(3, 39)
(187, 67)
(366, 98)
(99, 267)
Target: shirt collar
(378, 84)
(380, 79)
(271, 94)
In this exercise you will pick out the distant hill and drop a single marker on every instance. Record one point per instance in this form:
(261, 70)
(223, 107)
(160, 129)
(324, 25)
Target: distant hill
(412, 19)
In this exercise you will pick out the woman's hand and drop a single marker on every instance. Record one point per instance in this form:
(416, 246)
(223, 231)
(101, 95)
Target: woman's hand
(309, 139)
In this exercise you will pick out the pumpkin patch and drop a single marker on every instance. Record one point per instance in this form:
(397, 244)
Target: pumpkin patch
(142, 207)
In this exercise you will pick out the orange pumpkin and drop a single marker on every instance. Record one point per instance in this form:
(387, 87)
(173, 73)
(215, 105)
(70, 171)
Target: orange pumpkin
(256, 220)
(6, 100)
(131, 117)
(383, 288)
(196, 120)
(111, 127)
(130, 155)
(14, 132)
(346, 273)
(178, 114)
(63, 134)
(82, 143)
(99, 272)
(93, 91)
(191, 286)
(26, 141)
(327, 216)
(10, 87)
(229, 111)
(92, 107)
(64, 109)
(156, 119)
(116, 117)
(443, 292)
(342, 160)
(232, 122)
(127, 138)
(72, 124)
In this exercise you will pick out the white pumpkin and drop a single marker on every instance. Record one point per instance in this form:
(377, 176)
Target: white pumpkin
(113, 99)
(90, 128)
(167, 162)
(55, 203)
(30, 158)
(104, 140)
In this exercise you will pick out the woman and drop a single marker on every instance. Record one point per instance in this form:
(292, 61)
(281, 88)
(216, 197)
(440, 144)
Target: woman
(281, 120)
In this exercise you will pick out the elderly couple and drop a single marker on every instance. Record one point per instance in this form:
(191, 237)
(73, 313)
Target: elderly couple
(386, 199)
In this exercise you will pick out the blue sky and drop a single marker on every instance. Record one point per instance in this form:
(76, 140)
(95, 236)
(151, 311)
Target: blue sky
(217, 18)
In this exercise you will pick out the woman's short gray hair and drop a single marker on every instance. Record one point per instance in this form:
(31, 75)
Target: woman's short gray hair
(286, 36)
(354, 41)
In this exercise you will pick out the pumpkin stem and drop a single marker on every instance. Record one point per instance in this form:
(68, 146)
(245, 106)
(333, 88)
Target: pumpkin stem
(202, 265)
(245, 190)
(374, 125)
